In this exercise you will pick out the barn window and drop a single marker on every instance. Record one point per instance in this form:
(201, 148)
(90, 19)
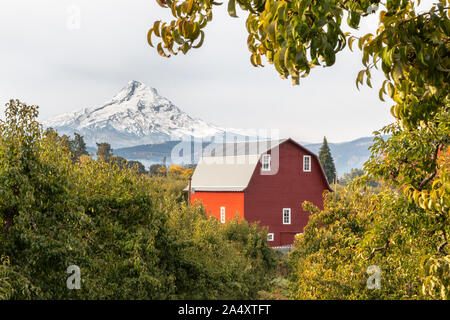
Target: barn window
(270, 237)
(266, 162)
(222, 214)
(307, 163)
(287, 216)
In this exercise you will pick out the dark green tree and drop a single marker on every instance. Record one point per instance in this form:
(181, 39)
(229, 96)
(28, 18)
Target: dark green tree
(327, 162)
(78, 146)
(138, 166)
(158, 170)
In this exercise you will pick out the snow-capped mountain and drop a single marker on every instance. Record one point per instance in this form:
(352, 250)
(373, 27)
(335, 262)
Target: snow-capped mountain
(136, 115)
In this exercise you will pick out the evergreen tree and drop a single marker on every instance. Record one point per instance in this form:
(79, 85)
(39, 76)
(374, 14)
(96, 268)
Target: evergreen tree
(327, 162)
(78, 146)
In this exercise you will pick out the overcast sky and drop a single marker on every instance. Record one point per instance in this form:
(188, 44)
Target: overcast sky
(44, 62)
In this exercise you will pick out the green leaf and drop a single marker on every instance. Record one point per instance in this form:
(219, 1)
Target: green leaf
(177, 37)
(202, 38)
(360, 78)
(391, 90)
(232, 8)
(350, 43)
(397, 72)
(156, 28)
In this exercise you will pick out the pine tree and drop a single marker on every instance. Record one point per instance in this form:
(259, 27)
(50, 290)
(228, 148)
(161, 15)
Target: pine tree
(327, 162)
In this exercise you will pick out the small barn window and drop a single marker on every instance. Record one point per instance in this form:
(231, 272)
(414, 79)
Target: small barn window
(270, 237)
(265, 162)
(287, 216)
(307, 163)
(222, 214)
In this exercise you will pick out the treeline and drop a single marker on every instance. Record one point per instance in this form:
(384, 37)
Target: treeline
(130, 238)
(77, 148)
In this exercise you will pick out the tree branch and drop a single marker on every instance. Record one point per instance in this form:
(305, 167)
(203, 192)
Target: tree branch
(384, 247)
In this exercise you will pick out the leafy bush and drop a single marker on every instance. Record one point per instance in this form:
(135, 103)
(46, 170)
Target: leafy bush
(357, 229)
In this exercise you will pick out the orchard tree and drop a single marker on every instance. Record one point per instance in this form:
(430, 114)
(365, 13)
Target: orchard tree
(327, 162)
(349, 176)
(19, 177)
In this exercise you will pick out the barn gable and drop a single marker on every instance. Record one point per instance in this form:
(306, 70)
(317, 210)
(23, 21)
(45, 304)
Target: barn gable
(230, 166)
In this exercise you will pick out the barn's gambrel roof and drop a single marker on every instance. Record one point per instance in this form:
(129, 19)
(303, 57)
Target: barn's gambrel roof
(230, 166)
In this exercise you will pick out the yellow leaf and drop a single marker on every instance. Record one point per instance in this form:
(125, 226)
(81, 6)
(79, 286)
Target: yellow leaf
(161, 51)
(149, 37)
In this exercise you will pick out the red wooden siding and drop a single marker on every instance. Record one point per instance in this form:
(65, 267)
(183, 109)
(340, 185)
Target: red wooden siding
(212, 201)
(267, 195)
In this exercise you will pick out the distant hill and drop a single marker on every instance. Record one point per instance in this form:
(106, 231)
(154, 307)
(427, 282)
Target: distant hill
(347, 155)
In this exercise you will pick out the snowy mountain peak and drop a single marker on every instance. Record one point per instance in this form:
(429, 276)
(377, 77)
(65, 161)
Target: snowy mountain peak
(136, 115)
(135, 88)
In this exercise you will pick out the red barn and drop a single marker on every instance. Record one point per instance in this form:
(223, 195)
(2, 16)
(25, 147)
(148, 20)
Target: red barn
(264, 182)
